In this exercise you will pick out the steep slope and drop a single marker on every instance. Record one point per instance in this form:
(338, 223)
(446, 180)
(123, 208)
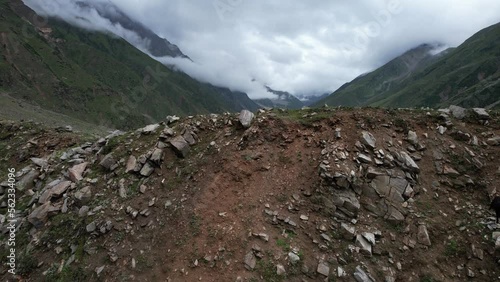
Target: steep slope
(383, 81)
(157, 46)
(282, 99)
(467, 75)
(303, 195)
(95, 77)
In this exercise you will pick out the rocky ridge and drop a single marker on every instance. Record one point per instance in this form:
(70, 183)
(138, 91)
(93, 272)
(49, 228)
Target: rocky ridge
(307, 195)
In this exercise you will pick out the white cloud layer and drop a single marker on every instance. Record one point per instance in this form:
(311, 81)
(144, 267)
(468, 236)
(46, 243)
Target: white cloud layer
(303, 47)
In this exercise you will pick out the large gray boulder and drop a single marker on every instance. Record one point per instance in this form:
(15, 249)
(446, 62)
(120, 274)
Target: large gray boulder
(481, 113)
(54, 189)
(26, 182)
(39, 216)
(180, 146)
(76, 172)
(246, 118)
(457, 112)
(368, 139)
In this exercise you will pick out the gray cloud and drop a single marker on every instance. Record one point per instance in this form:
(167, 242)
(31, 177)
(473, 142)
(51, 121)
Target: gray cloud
(303, 47)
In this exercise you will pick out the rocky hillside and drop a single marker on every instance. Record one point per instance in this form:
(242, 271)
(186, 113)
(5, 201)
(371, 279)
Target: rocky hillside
(468, 76)
(306, 195)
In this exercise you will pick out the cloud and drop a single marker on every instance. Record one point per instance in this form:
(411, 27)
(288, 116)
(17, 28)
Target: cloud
(303, 47)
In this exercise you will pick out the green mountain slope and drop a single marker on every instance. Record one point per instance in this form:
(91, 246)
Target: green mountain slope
(468, 75)
(96, 77)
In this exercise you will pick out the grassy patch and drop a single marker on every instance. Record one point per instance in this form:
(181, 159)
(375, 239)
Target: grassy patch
(194, 225)
(68, 274)
(267, 270)
(454, 249)
(283, 244)
(26, 263)
(66, 226)
(305, 117)
(427, 278)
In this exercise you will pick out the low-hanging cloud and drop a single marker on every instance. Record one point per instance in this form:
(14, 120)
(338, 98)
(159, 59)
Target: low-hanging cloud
(303, 47)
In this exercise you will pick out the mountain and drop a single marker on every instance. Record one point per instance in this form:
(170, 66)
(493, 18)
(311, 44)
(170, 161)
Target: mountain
(468, 75)
(370, 87)
(95, 77)
(156, 46)
(282, 99)
(311, 99)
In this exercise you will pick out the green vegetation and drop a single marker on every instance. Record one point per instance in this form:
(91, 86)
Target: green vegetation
(267, 270)
(60, 228)
(467, 76)
(454, 249)
(68, 274)
(283, 244)
(305, 117)
(26, 264)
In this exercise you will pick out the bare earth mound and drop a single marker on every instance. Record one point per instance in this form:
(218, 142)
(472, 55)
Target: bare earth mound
(308, 195)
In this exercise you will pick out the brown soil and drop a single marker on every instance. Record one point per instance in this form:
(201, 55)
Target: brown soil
(219, 195)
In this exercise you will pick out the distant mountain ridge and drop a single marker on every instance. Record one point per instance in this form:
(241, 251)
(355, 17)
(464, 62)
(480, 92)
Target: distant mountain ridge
(156, 46)
(468, 75)
(281, 99)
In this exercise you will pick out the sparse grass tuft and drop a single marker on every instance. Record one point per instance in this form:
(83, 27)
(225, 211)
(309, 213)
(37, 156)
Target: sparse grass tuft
(454, 248)
(267, 270)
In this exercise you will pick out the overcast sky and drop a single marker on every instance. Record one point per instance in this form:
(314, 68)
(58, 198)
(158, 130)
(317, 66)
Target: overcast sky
(303, 47)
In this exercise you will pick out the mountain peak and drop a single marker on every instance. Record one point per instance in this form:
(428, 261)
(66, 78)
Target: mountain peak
(156, 45)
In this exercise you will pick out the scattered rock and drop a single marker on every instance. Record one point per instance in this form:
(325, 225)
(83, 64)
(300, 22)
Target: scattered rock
(147, 169)
(250, 261)
(477, 253)
(150, 129)
(361, 276)
(457, 112)
(156, 156)
(348, 232)
(323, 269)
(180, 146)
(493, 141)
(409, 162)
(98, 270)
(412, 138)
(90, 227)
(54, 189)
(172, 119)
(293, 258)
(39, 216)
(26, 182)
(481, 113)
(108, 162)
(441, 129)
(76, 172)
(246, 118)
(423, 235)
(42, 163)
(364, 159)
(131, 164)
(364, 245)
(84, 195)
(280, 270)
(368, 139)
